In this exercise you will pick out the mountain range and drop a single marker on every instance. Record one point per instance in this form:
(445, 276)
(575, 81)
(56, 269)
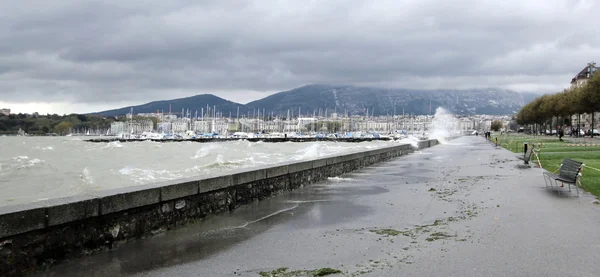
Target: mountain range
(351, 100)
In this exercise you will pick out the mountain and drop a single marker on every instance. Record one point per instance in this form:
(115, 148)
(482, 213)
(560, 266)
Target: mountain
(529, 97)
(193, 103)
(382, 101)
(352, 100)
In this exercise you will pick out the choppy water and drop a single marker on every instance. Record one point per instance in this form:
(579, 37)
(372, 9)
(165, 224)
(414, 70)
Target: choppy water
(36, 168)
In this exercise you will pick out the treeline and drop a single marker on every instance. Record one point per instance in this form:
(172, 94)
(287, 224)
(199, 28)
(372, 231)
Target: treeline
(558, 109)
(35, 124)
(332, 126)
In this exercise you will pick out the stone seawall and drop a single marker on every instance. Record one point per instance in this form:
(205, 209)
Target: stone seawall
(36, 235)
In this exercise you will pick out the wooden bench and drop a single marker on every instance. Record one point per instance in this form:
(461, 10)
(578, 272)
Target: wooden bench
(568, 174)
(527, 155)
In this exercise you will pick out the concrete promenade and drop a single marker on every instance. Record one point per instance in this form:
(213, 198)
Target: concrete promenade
(463, 208)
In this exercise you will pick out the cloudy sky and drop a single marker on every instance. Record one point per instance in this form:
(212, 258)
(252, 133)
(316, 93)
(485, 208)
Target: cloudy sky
(80, 56)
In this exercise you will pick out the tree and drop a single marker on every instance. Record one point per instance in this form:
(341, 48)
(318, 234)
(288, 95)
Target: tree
(592, 97)
(154, 119)
(575, 94)
(332, 126)
(496, 125)
(3, 127)
(63, 128)
(82, 117)
(513, 125)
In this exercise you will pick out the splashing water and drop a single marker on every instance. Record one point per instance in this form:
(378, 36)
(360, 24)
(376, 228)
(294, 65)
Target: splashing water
(86, 176)
(444, 124)
(412, 140)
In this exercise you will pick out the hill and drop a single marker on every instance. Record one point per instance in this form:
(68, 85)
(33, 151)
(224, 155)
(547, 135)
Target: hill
(381, 101)
(352, 100)
(192, 103)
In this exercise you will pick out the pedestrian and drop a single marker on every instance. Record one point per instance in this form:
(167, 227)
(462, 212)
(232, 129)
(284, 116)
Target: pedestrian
(561, 133)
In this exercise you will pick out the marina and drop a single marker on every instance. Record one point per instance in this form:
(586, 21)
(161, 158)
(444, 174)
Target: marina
(255, 139)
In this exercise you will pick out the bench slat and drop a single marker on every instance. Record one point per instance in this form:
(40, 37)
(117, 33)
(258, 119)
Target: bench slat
(568, 171)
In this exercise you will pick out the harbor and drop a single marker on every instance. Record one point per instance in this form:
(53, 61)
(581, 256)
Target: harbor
(255, 139)
(264, 126)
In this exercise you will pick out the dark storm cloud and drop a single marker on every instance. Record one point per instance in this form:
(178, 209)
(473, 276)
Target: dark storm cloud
(109, 51)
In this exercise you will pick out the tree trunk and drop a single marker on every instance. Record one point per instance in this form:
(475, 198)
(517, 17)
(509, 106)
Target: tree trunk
(578, 124)
(592, 124)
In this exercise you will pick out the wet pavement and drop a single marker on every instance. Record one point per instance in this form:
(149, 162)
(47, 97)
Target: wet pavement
(464, 208)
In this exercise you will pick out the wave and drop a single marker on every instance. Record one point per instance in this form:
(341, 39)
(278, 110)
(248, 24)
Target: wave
(413, 141)
(309, 152)
(140, 175)
(30, 163)
(339, 179)
(206, 150)
(86, 176)
(113, 144)
(240, 163)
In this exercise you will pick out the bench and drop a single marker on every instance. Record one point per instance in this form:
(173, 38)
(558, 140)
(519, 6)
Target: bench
(568, 174)
(527, 155)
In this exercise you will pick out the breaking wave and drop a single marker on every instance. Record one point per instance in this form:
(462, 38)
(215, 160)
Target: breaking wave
(113, 144)
(25, 162)
(86, 176)
(444, 124)
(339, 179)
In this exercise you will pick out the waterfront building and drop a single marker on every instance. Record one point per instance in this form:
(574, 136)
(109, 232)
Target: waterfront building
(117, 128)
(180, 126)
(164, 127)
(131, 127)
(585, 121)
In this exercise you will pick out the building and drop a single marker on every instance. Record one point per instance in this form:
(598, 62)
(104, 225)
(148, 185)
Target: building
(117, 128)
(303, 121)
(585, 122)
(5, 112)
(465, 124)
(133, 127)
(164, 127)
(146, 125)
(180, 126)
(201, 126)
(584, 75)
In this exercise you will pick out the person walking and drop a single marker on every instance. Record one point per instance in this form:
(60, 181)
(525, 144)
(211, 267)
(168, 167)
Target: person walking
(561, 133)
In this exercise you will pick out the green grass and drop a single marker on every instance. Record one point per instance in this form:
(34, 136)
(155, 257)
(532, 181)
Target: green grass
(552, 152)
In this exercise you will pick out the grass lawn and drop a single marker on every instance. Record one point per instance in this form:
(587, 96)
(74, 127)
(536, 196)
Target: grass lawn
(552, 152)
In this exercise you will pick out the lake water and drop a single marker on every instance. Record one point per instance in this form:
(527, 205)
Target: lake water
(37, 168)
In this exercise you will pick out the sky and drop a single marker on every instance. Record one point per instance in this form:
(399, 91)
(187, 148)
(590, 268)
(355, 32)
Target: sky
(63, 56)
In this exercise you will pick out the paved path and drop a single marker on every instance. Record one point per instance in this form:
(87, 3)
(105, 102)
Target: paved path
(464, 209)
